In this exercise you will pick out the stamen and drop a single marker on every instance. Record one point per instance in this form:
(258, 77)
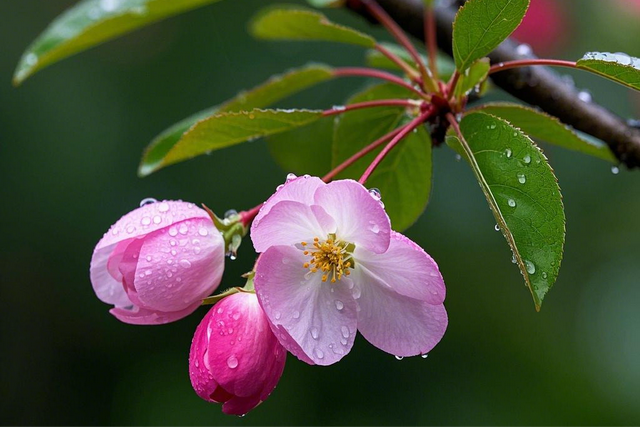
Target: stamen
(332, 257)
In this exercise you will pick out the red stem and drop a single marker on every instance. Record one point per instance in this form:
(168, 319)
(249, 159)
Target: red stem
(383, 17)
(528, 62)
(377, 74)
(452, 84)
(408, 69)
(357, 156)
(430, 37)
(247, 216)
(370, 104)
(413, 124)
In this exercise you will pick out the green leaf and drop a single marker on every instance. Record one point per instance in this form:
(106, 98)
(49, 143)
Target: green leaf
(481, 25)
(326, 3)
(522, 192)
(404, 176)
(473, 76)
(92, 22)
(230, 128)
(618, 67)
(304, 24)
(305, 150)
(273, 90)
(376, 59)
(544, 127)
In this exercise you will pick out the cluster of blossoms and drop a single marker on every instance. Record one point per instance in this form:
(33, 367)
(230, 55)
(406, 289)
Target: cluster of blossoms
(329, 266)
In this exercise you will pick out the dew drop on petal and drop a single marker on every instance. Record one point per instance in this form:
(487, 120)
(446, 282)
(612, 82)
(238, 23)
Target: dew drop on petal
(339, 305)
(399, 357)
(375, 193)
(183, 229)
(185, 263)
(314, 333)
(277, 315)
(163, 207)
(147, 201)
(291, 177)
(424, 356)
(319, 353)
(203, 231)
(345, 331)
(232, 362)
(173, 232)
(157, 219)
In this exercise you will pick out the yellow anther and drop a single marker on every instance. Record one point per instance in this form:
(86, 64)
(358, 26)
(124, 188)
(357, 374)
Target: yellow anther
(303, 244)
(330, 257)
(305, 265)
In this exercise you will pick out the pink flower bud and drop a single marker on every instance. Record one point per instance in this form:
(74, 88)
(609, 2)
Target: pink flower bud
(235, 359)
(157, 263)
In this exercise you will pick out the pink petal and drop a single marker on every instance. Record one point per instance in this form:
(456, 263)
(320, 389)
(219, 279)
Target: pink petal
(174, 271)
(136, 223)
(359, 218)
(319, 318)
(142, 316)
(289, 223)
(107, 287)
(300, 189)
(405, 268)
(240, 405)
(245, 356)
(202, 380)
(398, 324)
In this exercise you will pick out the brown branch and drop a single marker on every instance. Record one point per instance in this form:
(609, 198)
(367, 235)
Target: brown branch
(537, 86)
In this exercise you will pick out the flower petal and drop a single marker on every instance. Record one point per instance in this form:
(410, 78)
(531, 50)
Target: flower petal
(174, 271)
(142, 316)
(300, 189)
(359, 218)
(398, 324)
(240, 405)
(405, 268)
(289, 223)
(199, 373)
(107, 287)
(313, 320)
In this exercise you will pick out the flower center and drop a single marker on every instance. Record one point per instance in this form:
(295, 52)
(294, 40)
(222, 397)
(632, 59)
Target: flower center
(332, 257)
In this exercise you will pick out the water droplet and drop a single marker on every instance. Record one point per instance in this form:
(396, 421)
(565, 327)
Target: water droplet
(526, 159)
(163, 207)
(147, 201)
(173, 252)
(524, 50)
(339, 305)
(232, 362)
(230, 213)
(615, 170)
(339, 108)
(185, 263)
(584, 96)
(356, 292)
(458, 157)
(319, 353)
(345, 331)
(169, 274)
(278, 315)
(513, 259)
(148, 272)
(511, 203)
(173, 232)
(493, 126)
(148, 258)
(173, 242)
(521, 178)
(145, 221)
(314, 333)
(31, 59)
(291, 177)
(183, 229)
(507, 153)
(232, 256)
(197, 250)
(424, 356)
(131, 229)
(157, 219)
(544, 275)
(497, 227)
(399, 357)
(296, 314)
(531, 268)
(203, 231)
(375, 228)
(375, 193)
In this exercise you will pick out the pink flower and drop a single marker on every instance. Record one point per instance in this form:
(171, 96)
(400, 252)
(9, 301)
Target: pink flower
(157, 263)
(235, 359)
(331, 266)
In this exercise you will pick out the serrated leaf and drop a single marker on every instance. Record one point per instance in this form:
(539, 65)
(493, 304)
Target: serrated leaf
(230, 128)
(376, 59)
(618, 67)
(544, 127)
(523, 195)
(481, 25)
(304, 24)
(273, 90)
(305, 150)
(473, 76)
(404, 176)
(91, 22)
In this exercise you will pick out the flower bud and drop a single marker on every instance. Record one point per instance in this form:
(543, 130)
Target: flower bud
(235, 359)
(157, 263)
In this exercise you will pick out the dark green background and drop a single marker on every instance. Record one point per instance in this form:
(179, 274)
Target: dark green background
(71, 138)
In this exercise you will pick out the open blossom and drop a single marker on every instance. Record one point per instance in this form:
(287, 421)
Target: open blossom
(157, 263)
(331, 266)
(235, 359)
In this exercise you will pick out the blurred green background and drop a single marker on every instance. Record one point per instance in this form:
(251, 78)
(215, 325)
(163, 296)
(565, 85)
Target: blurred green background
(71, 138)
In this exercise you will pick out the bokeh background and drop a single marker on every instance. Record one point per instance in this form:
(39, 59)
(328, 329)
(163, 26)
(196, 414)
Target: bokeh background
(71, 138)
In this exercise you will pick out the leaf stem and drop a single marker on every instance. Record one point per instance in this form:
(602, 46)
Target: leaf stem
(452, 84)
(376, 74)
(370, 104)
(430, 37)
(413, 124)
(408, 69)
(501, 66)
(394, 29)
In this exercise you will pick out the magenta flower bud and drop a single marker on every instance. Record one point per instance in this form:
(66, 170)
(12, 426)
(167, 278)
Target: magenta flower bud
(235, 359)
(157, 263)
